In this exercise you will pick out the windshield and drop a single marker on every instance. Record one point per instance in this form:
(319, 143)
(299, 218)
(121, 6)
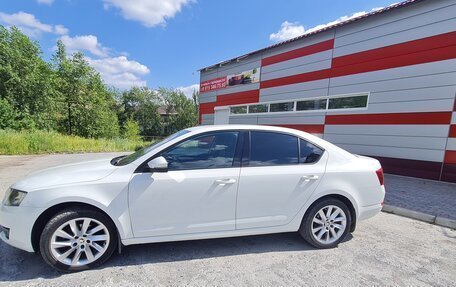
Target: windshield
(139, 153)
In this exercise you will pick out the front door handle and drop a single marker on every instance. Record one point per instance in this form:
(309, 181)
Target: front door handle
(225, 181)
(309, 177)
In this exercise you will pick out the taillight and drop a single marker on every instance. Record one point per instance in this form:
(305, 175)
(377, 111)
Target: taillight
(381, 177)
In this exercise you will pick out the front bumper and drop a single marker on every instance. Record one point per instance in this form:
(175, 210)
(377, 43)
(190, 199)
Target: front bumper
(19, 221)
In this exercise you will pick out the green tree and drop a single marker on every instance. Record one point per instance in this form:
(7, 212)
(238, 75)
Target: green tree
(142, 104)
(87, 106)
(131, 130)
(181, 111)
(26, 81)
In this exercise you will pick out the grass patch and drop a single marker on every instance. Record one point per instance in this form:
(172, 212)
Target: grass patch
(38, 142)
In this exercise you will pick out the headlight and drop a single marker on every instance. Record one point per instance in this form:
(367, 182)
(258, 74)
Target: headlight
(14, 197)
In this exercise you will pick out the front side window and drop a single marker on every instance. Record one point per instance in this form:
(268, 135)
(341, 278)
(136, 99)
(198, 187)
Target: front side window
(309, 153)
(269, 148)
(214, 150)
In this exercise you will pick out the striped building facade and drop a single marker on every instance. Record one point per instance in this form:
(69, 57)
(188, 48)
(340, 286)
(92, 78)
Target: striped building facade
(400, 65)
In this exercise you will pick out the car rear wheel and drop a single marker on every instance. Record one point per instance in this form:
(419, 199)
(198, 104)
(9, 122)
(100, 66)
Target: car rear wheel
(326, 223)
(75, 240)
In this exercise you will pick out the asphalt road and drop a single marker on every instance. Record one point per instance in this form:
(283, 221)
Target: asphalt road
(385, 250)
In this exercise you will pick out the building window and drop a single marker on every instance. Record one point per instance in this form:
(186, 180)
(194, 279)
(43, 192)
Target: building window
(310, 105)
(253, 109)
(348, 102)
(239, 110)
(282, 107)
(301, 105)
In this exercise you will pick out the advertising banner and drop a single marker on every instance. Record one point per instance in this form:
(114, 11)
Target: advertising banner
(243, 78)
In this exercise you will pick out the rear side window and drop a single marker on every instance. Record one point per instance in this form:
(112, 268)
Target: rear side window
(269, 148)
(309, 153)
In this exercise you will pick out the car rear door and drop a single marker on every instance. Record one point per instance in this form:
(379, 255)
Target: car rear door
(279, 173)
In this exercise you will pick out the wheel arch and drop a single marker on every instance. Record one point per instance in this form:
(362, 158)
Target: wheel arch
(46, 215)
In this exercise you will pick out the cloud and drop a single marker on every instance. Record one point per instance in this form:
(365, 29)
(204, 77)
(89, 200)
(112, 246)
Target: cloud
(290, 30)
(47, 2)
(188, 90)
(287, 31)
(120, 72)
(148, 12)
(29, 25)
(87, 43)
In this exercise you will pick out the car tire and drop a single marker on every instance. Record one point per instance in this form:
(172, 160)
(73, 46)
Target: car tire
(326, 223)
(78, 239)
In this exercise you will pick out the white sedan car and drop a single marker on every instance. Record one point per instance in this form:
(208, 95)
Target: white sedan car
(202, 182)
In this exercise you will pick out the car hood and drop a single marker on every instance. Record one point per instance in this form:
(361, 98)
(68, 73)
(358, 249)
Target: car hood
(66, 174)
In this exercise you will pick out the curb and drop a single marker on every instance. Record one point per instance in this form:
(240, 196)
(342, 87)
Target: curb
(437, 220)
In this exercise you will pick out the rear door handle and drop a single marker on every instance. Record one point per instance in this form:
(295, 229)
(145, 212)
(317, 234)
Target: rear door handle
(225, 181)
(309, 177)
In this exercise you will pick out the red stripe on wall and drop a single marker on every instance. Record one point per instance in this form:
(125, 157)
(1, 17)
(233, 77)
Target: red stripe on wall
(449, 172)
(425, 118)
(313, 129)
(408, 167)
(299, 78)
(452, 133)
(450, 157)
(431, 49)
(428, 56)
(246, 97)
(428, 43)
(301, 52)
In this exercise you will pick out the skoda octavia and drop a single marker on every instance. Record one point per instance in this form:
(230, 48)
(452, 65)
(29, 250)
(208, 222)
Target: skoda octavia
(202, 182)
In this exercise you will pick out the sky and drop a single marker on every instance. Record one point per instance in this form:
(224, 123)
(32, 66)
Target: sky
(163, 43)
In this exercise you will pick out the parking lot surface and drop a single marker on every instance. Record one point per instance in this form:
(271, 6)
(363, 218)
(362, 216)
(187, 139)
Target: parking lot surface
(385, 250)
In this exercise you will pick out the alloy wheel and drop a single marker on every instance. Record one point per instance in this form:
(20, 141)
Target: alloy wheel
(79, 241)
(328, 224)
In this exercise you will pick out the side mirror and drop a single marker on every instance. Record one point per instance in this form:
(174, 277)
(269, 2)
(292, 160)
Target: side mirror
(158, 164)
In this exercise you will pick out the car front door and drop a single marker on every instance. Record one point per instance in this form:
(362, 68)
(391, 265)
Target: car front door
(198, 192)
(277, 178)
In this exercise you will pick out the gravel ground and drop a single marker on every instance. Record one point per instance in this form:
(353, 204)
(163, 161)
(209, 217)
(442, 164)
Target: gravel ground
(385, 250)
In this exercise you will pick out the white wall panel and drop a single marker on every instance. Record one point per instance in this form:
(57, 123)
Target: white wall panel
(451, 145)
(395, 152)
(435, 80)
(433, 93)
(389, 130)
(300, 118)
(307, 41)
(391, 141)
(394, 15)
(207, 119)
(312, 58)
(248, 119)
(400, 37)
(295, 95)
(316, 66)
(439, 67)
(453, 118)
(312, 85)
(404, 24)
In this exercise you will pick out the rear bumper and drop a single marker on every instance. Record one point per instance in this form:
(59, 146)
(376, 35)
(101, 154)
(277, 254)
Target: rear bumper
(366, 212)
(17, 223)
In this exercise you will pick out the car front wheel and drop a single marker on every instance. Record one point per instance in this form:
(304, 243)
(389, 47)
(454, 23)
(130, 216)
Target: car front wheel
(75, 240)
(326, 223)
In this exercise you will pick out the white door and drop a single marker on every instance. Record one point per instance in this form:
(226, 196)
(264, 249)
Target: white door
(222, 116)
(196, 194)
(277, 182)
